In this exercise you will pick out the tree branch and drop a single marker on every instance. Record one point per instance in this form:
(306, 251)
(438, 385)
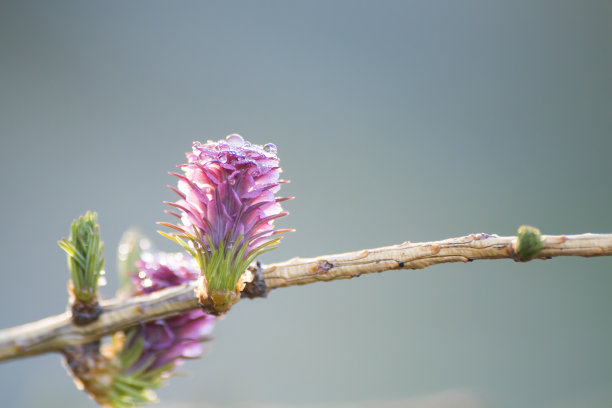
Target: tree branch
(55, 333)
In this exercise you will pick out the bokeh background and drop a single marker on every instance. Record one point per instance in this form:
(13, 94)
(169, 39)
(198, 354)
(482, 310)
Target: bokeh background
(395, 121)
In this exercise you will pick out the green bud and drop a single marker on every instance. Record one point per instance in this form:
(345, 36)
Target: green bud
(529, 242)
(85, 257)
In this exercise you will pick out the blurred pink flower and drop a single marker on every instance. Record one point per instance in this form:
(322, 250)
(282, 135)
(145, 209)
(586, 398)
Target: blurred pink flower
(167, 342)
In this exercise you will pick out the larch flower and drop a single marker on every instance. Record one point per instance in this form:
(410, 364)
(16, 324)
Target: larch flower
(172, 339)
(227, 209)
(152, 351)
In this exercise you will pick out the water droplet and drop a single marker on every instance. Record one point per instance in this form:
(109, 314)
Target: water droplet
(102, 281)
(222, 157)
(235, 140)
(147, 283)
(270, 148)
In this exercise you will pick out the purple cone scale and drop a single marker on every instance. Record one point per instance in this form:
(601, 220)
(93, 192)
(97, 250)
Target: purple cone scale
(227, 207)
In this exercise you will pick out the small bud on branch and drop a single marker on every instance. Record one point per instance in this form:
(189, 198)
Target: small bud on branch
(528, 243)
(85, 261)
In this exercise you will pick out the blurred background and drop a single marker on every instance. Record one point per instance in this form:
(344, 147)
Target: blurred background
(395, 121)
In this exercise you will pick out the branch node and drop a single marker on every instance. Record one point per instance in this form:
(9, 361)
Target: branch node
(256, 288)
(84, 313)
(323, 267)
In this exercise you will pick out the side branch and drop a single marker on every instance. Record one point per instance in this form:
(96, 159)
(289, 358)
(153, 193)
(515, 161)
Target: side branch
(301, 271)
(55, 333)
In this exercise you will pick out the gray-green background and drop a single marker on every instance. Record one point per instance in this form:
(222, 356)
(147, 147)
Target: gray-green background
(395, 121)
